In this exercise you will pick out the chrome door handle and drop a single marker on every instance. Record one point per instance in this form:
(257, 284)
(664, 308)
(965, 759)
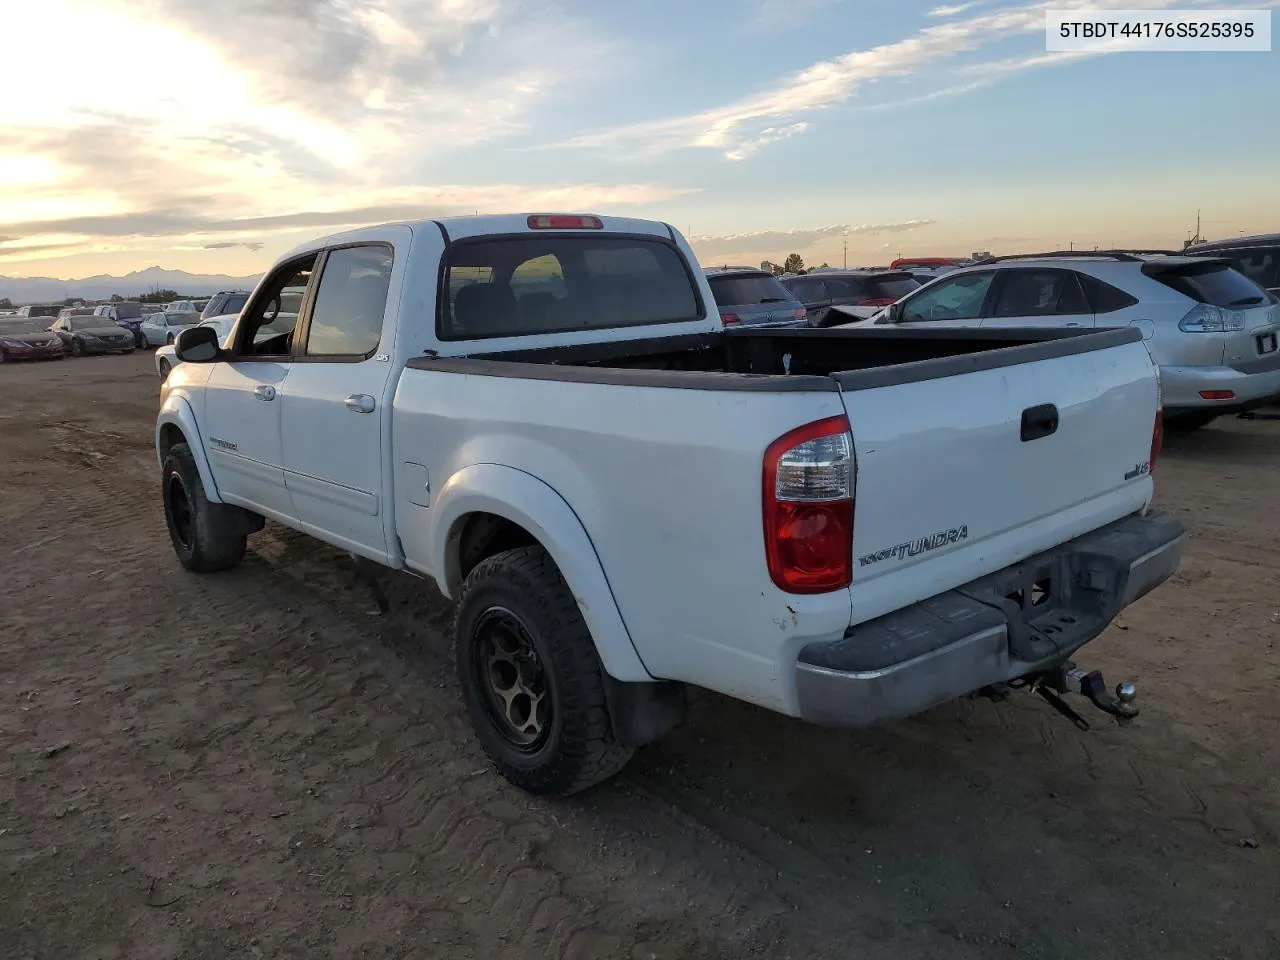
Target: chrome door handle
(359, 403)
(265, 392)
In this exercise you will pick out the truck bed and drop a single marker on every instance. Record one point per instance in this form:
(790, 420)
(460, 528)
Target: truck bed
(786, 359)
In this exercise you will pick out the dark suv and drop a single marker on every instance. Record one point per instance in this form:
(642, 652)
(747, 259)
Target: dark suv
(225, 302)
(1258, 258)
(861, 293)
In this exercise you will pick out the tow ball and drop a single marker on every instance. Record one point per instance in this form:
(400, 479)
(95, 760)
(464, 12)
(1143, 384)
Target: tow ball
(1068, 678)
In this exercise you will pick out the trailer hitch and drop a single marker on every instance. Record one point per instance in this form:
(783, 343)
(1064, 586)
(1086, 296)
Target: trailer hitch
(1054, 684)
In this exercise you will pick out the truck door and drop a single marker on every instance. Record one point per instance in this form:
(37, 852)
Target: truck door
(242, 396)
(336, 411)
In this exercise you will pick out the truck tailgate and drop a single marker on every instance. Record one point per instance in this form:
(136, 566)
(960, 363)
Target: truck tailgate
(961, 475)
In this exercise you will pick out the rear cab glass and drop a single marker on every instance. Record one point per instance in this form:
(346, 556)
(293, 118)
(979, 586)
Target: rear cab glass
(751, 288)
(1215, 284)
(521, 286)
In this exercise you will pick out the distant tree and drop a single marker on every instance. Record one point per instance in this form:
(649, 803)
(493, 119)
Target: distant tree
(793, 264)
(768, 267)
(6, 303)
(159, 296)
(116, 298)
(825, 265)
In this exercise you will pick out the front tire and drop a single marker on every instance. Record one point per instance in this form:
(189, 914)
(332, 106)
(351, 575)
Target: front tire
(164, 370)
(77, 348)
(531, 678)
(207, 537)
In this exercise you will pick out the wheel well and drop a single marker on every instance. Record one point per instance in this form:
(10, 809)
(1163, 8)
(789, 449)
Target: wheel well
(169, 435)
(481, 535)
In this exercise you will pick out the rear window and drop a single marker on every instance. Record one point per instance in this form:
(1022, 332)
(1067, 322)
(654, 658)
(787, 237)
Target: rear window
(891, 288)
(548, 284)
(128, 311)
(752, 288)
(1261, 264)
(1215, 284)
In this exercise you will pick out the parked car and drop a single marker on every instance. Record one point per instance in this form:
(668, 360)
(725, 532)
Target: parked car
(75, 312)
(750, 297)
(1212, 330)
(424, 416)
(35, 310)
(27, 339)
(161, 328)
(1258, 258)
(127, 313)
(182, 306)
(223, 303)
(83, 334)
(863, 293)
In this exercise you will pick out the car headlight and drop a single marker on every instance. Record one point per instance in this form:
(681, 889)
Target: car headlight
(1204, 318)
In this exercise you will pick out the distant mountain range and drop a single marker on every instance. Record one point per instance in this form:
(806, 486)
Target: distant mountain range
(47, 289)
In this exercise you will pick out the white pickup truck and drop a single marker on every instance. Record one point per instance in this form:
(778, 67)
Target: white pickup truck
(544, 416)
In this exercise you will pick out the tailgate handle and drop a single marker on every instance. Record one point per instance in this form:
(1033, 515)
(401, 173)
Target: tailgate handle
(1039, 421)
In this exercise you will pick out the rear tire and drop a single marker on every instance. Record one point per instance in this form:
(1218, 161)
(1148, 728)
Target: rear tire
(207, 537)
(531, 678)
(77, 348)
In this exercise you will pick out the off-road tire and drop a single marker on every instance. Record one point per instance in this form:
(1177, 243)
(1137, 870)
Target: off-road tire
(580, 750)
(214, 538)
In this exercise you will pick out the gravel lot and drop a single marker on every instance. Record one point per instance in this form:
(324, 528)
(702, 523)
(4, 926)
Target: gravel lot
(256, 764)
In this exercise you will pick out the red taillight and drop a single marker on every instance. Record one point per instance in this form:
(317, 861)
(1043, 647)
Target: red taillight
(559, 222)
(799, 313)
(1217, 395)
(730, 319)
(808, 507)
(877, 302)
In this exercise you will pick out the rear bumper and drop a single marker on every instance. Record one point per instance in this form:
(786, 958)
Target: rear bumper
(989, 631)
(1250, 382)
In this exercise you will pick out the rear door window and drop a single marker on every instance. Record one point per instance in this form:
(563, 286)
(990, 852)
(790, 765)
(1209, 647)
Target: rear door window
(346, 320)
(1041, 293)
(549, 284)
(1216, 284)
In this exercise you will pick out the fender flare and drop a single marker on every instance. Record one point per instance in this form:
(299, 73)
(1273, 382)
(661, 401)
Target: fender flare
(528, 501)
(176, 412)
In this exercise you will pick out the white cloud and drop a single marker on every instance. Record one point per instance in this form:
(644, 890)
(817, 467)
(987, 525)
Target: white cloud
(310, 111)
(736, 128)
(800, 238)
(954, 10)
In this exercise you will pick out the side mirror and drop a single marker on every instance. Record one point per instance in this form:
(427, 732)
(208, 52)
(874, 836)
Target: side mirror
(891, 314)
(197, 345)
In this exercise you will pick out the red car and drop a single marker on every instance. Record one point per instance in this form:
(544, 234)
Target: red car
(23, 339)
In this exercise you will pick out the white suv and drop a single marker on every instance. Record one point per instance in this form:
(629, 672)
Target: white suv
(1211, 329)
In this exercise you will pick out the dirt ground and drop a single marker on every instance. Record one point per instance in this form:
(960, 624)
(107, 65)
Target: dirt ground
(256, 765)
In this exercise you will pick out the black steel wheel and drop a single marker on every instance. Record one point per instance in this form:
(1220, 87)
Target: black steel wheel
(531, 678)
(510, 675)
(206, 536)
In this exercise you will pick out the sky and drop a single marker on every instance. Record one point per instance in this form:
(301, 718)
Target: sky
(211, 137)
